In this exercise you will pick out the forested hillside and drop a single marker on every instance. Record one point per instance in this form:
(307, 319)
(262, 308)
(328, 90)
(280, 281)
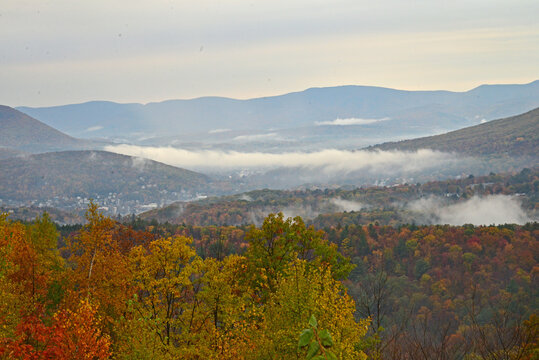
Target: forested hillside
(432, 292)
(388, 205)
(516, 136)
(107, 290)
(21, 132)
(112, 292)
(60, 177)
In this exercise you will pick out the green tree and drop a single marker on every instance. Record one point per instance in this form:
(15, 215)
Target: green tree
(278, 242)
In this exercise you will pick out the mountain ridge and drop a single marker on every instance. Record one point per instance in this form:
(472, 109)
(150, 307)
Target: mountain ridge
(21, 132)
(515, 136)
(446, 110)
(69, 176)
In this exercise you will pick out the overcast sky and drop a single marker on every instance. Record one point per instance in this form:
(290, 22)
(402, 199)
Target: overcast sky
(68, 51)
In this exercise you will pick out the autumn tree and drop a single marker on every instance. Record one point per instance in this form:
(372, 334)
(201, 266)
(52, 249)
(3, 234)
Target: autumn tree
(303, 292)
(71, 335)
(278, 242)
(99, 271)
(166, 274)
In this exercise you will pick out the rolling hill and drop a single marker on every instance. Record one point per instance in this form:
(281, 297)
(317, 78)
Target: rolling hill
(394, 113)
(69, 177)
(20, 132)
(515, 136)
(405, 203)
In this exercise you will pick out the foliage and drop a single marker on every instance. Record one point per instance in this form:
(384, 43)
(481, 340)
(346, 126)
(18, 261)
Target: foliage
(168, 292)
(318, 343)
(303, 292)
(382, 204)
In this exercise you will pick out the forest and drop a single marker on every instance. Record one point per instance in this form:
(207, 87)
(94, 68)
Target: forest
(283, 290)
(383, 204)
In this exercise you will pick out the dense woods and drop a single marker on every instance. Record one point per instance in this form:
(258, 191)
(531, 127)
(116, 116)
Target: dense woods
(516, 136)
(115, 292)
(150, 291)
(385, 204)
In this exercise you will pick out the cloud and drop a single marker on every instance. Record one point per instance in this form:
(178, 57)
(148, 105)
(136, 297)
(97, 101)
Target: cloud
(255, 137)
(494, 209)
(218, 131)
(94, 128)
(92, 156)
(329, 161)
(347, 205)
(139, 163)
(351, 121)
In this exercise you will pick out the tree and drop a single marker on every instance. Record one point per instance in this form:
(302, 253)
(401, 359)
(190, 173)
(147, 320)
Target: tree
(72, 335)
(279, 242)
(303, 292)
(99, 271)
(166, 275)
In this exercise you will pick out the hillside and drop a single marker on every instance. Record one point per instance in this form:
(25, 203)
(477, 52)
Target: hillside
(32, 212)
(373, 110)
(515, 136)
(432, 202)
(19, 131)
(114, 180)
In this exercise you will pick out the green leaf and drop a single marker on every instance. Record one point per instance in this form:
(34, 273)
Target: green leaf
(331, 356)
(313, 322)
(319, 357)
(305, 337)
(325, 337)
(313, 350)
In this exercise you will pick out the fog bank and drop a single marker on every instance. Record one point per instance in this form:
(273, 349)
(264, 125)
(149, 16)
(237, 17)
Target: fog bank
(494, 209)
(328, 160)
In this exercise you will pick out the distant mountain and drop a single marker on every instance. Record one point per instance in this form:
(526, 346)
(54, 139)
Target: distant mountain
(515, 136)
(373, 110)
(20, 132)
(58, 178)
(504, 145)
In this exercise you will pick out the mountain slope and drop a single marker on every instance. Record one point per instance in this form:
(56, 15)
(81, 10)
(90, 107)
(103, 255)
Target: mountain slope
(514, 136)
(410, 112)
(19, 131)
(95, 174)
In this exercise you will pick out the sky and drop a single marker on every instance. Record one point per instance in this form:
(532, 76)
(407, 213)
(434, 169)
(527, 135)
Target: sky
(70, 51)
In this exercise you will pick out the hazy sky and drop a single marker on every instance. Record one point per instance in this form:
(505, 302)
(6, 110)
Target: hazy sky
(66, 51)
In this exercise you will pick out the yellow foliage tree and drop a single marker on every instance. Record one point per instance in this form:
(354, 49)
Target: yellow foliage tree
(304, 292)
(98, 269)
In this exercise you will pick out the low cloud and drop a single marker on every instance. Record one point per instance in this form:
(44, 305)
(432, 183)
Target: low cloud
(494, 209)
(139, 163)
(351, 121)
(246, 197)
(328, 161)
(218, 131)
(347, 205)
(255, 137)
(92, 156)
(94, 128)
